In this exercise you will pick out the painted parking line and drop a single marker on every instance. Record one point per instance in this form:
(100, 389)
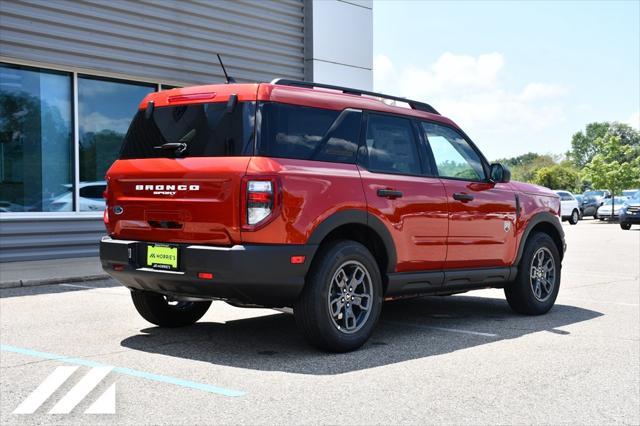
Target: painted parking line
(123, 370)
(451, 330)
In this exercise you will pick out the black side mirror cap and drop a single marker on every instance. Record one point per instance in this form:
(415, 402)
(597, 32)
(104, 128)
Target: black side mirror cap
(499, 173)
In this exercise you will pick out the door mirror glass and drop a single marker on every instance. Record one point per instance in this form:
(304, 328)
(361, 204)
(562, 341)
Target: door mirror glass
(500, 173)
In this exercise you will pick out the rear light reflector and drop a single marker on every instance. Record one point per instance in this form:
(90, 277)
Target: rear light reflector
(260, 200)
(297, 260)
(205, 275)
(118, 267)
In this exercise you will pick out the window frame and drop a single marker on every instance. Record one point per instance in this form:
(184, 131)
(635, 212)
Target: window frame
(483, 161)
(74, 73)
(257, 139)
(362, 157)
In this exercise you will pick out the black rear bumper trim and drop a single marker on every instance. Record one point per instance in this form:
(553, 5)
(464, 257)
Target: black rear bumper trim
(250, 274)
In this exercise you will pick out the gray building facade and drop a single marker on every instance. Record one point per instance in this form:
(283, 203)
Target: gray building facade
(73, 72)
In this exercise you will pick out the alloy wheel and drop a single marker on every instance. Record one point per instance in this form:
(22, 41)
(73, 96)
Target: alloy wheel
(542, 276)
(350, 297)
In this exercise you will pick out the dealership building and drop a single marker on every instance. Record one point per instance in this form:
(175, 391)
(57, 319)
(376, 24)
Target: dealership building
(73, 73)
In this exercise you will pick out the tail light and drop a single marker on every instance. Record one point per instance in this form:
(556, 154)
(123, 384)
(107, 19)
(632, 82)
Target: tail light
(259, 202)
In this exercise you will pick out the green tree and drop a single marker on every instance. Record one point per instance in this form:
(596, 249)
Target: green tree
(616, 165)
(559, 176)
(524, 167)
(584, 148)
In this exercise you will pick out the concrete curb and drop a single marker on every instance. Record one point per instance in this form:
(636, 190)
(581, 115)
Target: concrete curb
(50, 281)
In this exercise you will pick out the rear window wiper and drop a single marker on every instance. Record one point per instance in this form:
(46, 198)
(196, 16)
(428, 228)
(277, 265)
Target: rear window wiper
(178, 148)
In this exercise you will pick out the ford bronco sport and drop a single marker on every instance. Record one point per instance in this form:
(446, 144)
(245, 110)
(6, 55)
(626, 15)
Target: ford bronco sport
(325, 199)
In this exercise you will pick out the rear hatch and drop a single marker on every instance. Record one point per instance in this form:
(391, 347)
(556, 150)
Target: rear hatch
(179, 173)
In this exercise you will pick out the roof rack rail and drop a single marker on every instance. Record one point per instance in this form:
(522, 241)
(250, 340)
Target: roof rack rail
(420, 106)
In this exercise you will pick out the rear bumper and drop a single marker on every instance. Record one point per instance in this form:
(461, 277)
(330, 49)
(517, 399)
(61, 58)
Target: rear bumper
(249, 274)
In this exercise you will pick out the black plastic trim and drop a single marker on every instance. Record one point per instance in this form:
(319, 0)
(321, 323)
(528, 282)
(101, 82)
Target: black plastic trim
(253, 274)
(420, 106)
(447, 281)
(361, 217)
(538, 218)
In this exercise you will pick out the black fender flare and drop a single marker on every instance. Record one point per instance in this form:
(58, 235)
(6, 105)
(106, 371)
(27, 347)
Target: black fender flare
(360, 217)
(538, 218)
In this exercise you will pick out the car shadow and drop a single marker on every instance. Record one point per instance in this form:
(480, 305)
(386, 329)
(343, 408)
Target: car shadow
(407, 330)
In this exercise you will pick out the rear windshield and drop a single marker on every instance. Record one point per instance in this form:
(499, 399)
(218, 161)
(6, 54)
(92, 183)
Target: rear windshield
(206, 130)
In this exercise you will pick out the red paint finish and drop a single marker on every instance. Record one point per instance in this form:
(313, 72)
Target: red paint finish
(203, 200)
(417, 221)
(208, 215)
(481, 231)
(311, 191)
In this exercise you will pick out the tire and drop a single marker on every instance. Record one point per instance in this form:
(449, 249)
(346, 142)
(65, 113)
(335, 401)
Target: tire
(352, 324)
(625, 226)
(574, 218)
(595, 216)
(158, 310)
(528, 294)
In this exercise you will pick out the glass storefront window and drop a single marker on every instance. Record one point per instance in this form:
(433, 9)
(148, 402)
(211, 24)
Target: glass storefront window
(105, 109)
(36, 147)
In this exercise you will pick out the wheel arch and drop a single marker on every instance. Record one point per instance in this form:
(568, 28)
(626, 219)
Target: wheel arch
(361, 226)
(547, 223)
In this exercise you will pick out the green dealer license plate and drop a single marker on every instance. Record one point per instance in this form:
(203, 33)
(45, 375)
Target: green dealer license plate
(162, 257)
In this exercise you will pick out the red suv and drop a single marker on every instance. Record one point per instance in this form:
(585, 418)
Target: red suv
(326, 199)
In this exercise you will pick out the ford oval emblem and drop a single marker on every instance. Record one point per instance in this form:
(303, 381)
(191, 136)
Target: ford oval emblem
(118, 210)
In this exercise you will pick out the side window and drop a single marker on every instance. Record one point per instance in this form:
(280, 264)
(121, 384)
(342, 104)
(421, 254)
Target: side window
(453, 156)
(391, 145)
(304, 133)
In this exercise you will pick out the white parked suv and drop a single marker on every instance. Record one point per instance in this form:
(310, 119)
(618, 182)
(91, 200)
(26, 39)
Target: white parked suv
(569, 207)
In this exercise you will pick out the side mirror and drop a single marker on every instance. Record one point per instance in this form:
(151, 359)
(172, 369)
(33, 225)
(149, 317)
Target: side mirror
(499, 173)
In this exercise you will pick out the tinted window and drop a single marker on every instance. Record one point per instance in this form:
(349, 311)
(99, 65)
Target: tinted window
(36, 150)
(207, 130)
(391, 146)
(453, 155)
(289, 131)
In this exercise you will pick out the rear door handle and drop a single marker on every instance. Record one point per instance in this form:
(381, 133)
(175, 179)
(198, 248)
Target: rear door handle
(389, 193)
(461, 196)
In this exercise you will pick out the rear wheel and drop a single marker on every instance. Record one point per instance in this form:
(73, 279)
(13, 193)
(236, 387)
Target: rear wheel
(625, 226)
(574, 218)
(342, 298)
(165, 312)
(538, 281)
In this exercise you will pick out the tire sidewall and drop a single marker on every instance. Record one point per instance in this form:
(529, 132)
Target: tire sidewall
(320, 284)
(523, 285)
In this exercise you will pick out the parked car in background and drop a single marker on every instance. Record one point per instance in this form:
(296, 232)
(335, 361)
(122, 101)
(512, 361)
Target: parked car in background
(569, 207)
(579, 198)
(90, 198)
(599, 194)
(589, 206)
(630, 212)
(630, 192)
(604, 211)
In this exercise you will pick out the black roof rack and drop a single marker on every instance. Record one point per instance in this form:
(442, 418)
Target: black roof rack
(420, 106)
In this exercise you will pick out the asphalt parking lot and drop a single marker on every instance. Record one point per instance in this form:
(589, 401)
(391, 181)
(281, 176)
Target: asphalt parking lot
(459, 359)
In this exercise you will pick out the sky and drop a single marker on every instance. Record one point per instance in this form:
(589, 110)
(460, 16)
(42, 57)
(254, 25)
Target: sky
(517, 77)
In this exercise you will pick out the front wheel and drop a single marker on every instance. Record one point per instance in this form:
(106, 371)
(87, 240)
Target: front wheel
(342, 298)
(536, 286)
(625, 226)
(575, 216)
(165, 312)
